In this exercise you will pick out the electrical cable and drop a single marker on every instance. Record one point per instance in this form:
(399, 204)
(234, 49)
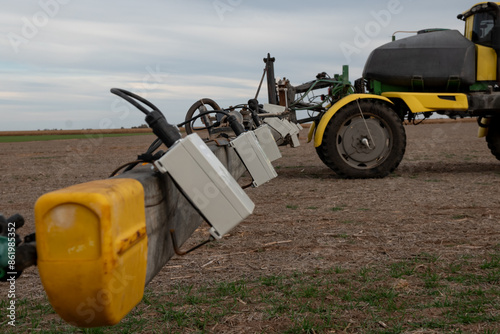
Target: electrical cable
(143, 158)
(131, 98)
(167, 132)
(223, 112)
(134, 163)
(236, 126)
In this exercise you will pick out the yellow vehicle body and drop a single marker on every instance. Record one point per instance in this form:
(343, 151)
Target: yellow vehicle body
(486, 63)
(416, 102)
(430, 102)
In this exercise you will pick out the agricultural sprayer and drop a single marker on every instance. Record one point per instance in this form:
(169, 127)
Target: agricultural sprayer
(104, 241)
(357, 129)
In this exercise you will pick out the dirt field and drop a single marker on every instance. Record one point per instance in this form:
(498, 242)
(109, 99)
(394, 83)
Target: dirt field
(442, 200)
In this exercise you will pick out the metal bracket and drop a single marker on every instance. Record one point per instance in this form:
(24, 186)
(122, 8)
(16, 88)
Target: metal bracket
(182, 253)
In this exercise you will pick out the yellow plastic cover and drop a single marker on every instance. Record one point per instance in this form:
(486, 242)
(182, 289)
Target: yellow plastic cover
(92, 250)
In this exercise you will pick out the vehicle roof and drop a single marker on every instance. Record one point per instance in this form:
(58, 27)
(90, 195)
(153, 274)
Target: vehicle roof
(481, 6)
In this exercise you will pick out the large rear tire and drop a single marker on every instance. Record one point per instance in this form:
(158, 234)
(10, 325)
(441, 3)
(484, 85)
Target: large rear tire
(364, 139)
(493, 137)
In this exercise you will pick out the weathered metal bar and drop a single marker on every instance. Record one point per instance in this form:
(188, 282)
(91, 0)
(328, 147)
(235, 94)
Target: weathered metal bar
(167, 208)
(107, 239)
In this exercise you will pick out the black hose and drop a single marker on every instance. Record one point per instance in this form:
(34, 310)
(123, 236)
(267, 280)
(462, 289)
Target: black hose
(223, 112)
(131, 98)
(167, 133)
(232, 120)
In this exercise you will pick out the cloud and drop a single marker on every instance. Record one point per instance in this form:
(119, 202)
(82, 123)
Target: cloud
(175, 52)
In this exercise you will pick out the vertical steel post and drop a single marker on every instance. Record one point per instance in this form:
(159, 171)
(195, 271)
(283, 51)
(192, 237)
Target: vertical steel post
(271, 81)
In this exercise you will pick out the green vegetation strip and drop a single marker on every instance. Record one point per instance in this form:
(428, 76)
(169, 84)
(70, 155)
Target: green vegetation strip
(17, 139)
(417, 295)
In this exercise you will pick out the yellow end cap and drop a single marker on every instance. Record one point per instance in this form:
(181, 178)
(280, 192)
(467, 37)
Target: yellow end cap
(92, 250)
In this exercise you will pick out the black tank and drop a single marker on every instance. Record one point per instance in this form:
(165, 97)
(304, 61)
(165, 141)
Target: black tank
(430, 61)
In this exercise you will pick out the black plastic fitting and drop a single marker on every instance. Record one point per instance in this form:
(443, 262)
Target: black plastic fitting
(253, 105)
(235, 125)
(167, 132)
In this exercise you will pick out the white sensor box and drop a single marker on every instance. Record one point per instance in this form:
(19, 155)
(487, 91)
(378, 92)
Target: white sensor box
(297, 126)
(267, 142)
(253, 157)
(284, 128)
(287, 127)
(278, 125)
(207, 184)
(274, 109)
(294, 133)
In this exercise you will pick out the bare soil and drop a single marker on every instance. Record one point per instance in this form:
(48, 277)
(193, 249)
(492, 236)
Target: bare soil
(443, 199)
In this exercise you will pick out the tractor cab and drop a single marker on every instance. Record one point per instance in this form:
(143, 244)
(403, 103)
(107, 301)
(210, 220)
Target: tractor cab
(482, 27)
(481, 24)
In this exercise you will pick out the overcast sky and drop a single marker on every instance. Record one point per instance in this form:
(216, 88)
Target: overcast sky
(59, 58)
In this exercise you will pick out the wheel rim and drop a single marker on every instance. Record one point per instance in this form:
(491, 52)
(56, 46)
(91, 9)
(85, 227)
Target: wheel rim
(364, 142)
(201, 123)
